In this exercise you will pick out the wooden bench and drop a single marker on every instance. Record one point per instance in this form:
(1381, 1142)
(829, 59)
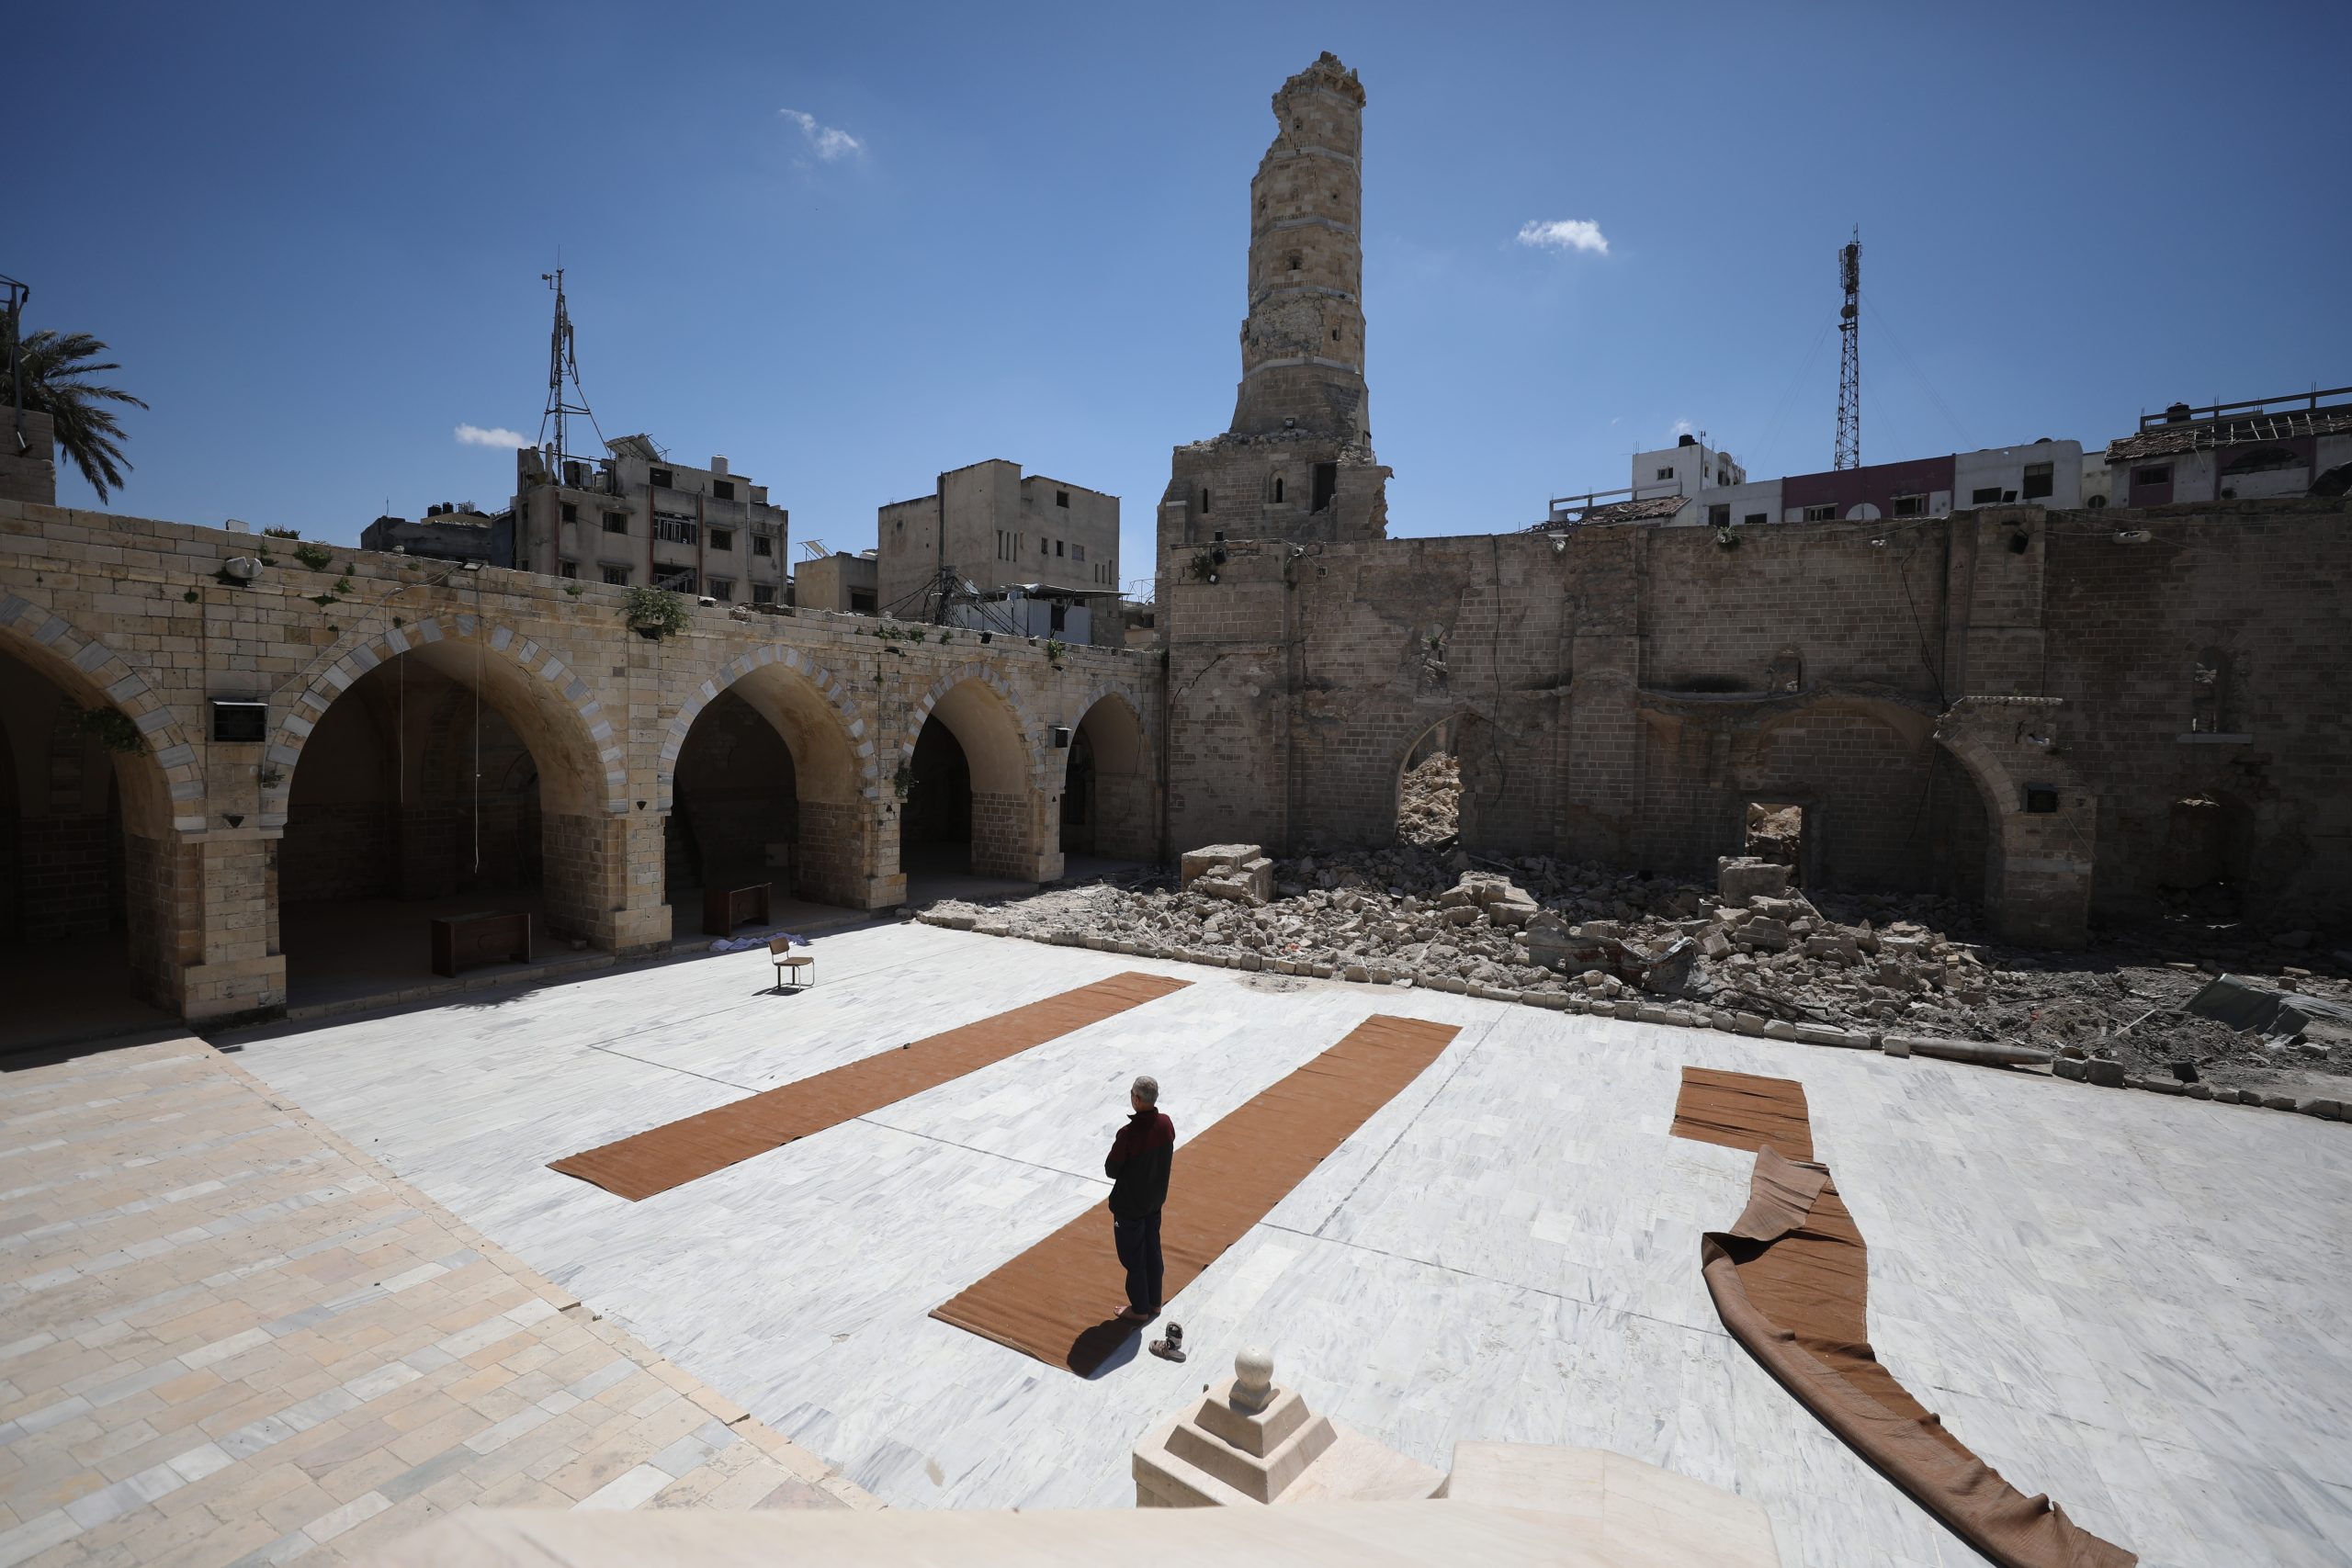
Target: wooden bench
(468, 942)
(781, 955)
(724, 909)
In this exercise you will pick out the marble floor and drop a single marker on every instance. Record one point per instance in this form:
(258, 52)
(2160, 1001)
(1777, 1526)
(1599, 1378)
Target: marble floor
(2134, 1303)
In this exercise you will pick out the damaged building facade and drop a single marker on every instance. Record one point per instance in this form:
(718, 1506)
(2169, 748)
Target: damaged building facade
(2050, 710)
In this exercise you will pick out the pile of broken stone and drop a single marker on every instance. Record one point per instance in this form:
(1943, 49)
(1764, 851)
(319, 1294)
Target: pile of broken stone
(1751, 955)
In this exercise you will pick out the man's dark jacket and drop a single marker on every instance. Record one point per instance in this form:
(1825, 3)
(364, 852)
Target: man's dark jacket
(1139, 1164)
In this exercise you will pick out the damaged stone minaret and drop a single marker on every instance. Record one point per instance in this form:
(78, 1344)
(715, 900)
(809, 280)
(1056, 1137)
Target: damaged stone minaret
(1297, 464)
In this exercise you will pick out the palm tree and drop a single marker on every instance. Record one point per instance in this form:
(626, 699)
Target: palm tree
(56, 371)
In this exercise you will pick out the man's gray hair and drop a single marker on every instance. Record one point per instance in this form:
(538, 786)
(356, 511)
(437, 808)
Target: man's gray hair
(1147, 1089)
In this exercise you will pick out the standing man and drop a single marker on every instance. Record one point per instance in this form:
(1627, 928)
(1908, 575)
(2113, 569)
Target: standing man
(1138, 1167)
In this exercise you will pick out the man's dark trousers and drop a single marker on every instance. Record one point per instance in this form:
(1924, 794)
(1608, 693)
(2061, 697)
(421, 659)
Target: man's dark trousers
(1138, 1243)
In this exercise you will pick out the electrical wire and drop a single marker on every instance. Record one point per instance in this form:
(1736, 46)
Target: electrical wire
(1967, 441)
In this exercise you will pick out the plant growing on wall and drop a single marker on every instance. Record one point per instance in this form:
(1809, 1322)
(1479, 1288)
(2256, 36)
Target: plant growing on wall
(653, 612)
(1054, 648)
(1725, 539)
(904, 779)
(281, 532)
(316, 557)
(113, 728)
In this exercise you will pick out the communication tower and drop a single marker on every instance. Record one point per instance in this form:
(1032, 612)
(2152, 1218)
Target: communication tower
(563, 365)
(1850, 358)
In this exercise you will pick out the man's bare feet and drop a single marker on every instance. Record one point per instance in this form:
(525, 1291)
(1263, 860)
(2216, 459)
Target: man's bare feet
(1133, 1315)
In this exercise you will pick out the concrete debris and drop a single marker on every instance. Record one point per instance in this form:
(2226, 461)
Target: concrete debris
(1428, 803)
(1907, 972)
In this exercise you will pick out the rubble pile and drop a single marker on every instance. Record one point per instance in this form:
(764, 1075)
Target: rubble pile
(1428, 800)
(1862, 966)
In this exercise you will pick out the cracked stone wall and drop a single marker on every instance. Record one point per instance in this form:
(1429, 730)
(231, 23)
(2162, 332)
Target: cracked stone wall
(1638, 687)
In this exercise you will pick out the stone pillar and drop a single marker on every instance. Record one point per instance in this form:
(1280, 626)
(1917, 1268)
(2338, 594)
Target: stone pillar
(28, 472)
(204, 923)
(603, 879)
(2042, 851)
(1249, 1441)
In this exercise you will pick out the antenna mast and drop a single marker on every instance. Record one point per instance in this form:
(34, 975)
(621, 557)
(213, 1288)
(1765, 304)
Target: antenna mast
(1849, 359)
(563, 365)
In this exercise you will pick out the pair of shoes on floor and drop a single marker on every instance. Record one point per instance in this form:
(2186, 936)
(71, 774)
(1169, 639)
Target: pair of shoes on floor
(1172, 1348)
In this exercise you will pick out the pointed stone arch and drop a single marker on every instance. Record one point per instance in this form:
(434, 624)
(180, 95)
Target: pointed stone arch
(170, 795)
(835, 765)
(2041, 851)
(589, 769)
(999, 735)
(586, 836)
(1109, 799)
(162, 793)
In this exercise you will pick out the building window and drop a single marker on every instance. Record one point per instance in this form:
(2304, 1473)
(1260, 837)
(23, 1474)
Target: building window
(1754, 518)
(571, 512)
(2038, 480)
(722, 489)
(1061, 498)
(569, 568)
(722, 538)
(762, 544)
(1666, 473)
(1058, 546)
(1990, 496)
(1297, 260)
(1910, 507)
(1821, 514)
(861, 601)
(680, 580)
(616, 575)
(1204, 499)
(763, 593)
(675, 528)
(663, 477)
(615, 522)
(2159, 475)
(1078, 552)
(722, 590)
(1719, 516)
(1722, 477)
(1278, 489)
(1327, 485)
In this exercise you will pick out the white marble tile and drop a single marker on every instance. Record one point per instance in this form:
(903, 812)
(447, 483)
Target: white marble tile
(2130, 1302)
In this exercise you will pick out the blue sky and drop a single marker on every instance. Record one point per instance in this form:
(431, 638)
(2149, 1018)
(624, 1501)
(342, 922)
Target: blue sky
(852, 247)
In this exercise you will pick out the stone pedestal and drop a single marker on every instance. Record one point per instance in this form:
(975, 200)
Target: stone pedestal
(1249, 1441)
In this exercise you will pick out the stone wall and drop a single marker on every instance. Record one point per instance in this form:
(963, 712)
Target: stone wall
(132, 612)
(1626, 691)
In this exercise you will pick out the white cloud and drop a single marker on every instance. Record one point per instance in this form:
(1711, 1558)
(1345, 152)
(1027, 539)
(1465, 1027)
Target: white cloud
(1682, 428)
(829, 143)
(475, 436)
(1564, 234)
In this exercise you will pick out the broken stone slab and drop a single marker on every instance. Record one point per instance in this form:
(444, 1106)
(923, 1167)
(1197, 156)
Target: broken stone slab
(1822, 1034)
(1748, 1023)
(2154, 1086)
(2278, 1101)
(1555, 1000)
(1767, 932)
(1739, 878)
(2072, 1068)
(2104, 1071)
(1211, 859)
(1780, 1029)
(2321, 1106)
(1983, 1053)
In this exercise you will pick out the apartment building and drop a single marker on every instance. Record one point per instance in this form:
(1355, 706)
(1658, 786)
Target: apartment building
(638, 517)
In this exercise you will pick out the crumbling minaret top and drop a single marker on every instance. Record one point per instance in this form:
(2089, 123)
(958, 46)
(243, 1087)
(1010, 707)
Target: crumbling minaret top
(1302, 346)
(1298, 463)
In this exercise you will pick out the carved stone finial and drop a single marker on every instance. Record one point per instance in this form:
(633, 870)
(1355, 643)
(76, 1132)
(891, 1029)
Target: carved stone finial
(1253, 1379)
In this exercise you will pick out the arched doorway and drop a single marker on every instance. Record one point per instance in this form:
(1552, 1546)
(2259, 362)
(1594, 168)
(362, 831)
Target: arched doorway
(1107, 786)
(444, 782)
(969, 806)
(1450, 785)
(765, 789)
(82, 851)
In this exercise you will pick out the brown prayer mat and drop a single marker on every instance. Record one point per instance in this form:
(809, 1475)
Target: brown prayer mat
(1790, 1281)
(678, 1152)
(1060, 1300)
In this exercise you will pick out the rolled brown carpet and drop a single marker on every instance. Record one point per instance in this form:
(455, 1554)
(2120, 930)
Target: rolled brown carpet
(678, 1152)
(1060, 1300)
(1790, 1281)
